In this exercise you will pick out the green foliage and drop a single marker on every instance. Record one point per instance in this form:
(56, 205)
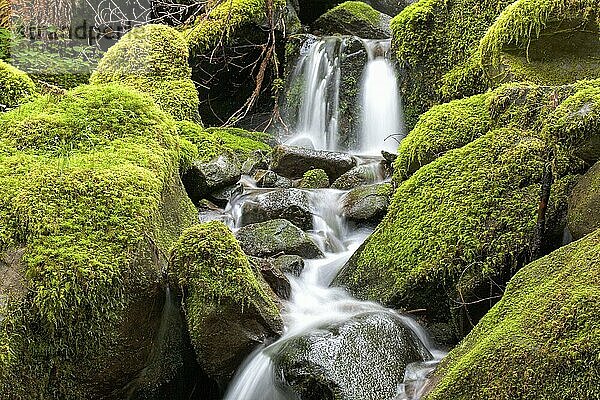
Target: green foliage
(90, 192)
(442, 128)
(540, 341)
(315, 179)
(354, 12)
(153, 59)
(224, 19)
(433, 38)
(15, 86)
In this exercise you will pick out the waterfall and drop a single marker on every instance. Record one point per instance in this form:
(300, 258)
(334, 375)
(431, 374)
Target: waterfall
(382, 120)
(318, 74)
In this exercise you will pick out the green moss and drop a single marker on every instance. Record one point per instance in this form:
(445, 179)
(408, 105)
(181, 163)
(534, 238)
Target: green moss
(584, 204)
(458, 222)
(540, 341)
(91, 193)
(355, 12)
(224, 19)
(314, 179)
(442, 128)
(15, 86)
(433, 38)
(543, 41)
(153, 59)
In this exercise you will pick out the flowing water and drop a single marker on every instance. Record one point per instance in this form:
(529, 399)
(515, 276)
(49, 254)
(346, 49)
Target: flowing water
(314, 304)
(382, 119)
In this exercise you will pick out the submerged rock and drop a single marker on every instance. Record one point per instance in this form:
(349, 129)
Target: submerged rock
(290, 204)
(363, 358)
(273, 275)
(229, 308)
(354, 18)
(584, 204)
(277, 236)
(367, 203)
(293, 162)
(365, 174)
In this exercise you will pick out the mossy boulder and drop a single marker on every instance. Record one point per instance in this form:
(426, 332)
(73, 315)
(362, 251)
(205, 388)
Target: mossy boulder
(91, 201)
(354, 18)
(224, 41)
(548, 42)
(15, 87)
(584, 204)
(436, 42)
(314, 179)
(153, 59)
(364, 174)
(229, 308)
(362, 357)
(459, 226)
(291, 204)
(367, 203)
(540, 341)
(279, 236)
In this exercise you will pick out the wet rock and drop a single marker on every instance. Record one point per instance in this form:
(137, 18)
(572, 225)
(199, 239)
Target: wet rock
(290, 204)
(363, 358)
(354, 18)
(229, 308)
(389, 157)
(293, 162)
(290, 264)
(367, 203)
(273, 275)
(314, 179)
(365, 174)
(256, 161)
(269, 179)
(584, 204)
(224, 195)
(202, 179)
(270, 238)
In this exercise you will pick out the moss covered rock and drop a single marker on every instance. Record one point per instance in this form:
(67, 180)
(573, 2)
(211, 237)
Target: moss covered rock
(15, 87)
(91, 200)
(228, 307)
(367, 203)
(584, 204)
(354, 18)
(153, 59)
(540, 341)
(314, 179)
(550, 42)
(458, 225)
(437, 43)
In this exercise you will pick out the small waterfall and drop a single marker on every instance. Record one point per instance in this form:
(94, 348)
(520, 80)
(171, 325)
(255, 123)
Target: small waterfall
(318, 74)
(382, 120)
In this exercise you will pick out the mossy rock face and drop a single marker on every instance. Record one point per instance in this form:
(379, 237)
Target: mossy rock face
(458, 224)
(228, 307)
(153, 59)
(91, 199)
(223, 42)
(549, 42)
(314, 179)
(354, 18)
(361, 358)
(436, 43)
(540, 341)
(15, 87)
(584, 204)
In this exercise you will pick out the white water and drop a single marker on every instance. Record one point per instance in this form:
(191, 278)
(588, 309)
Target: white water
(313, 304)
(319, 72)
(382, 120)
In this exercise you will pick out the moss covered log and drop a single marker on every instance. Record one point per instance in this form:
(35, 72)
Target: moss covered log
(153, 59)
(227, 306)
(540, 341)
(15, 86)
(91, 201)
